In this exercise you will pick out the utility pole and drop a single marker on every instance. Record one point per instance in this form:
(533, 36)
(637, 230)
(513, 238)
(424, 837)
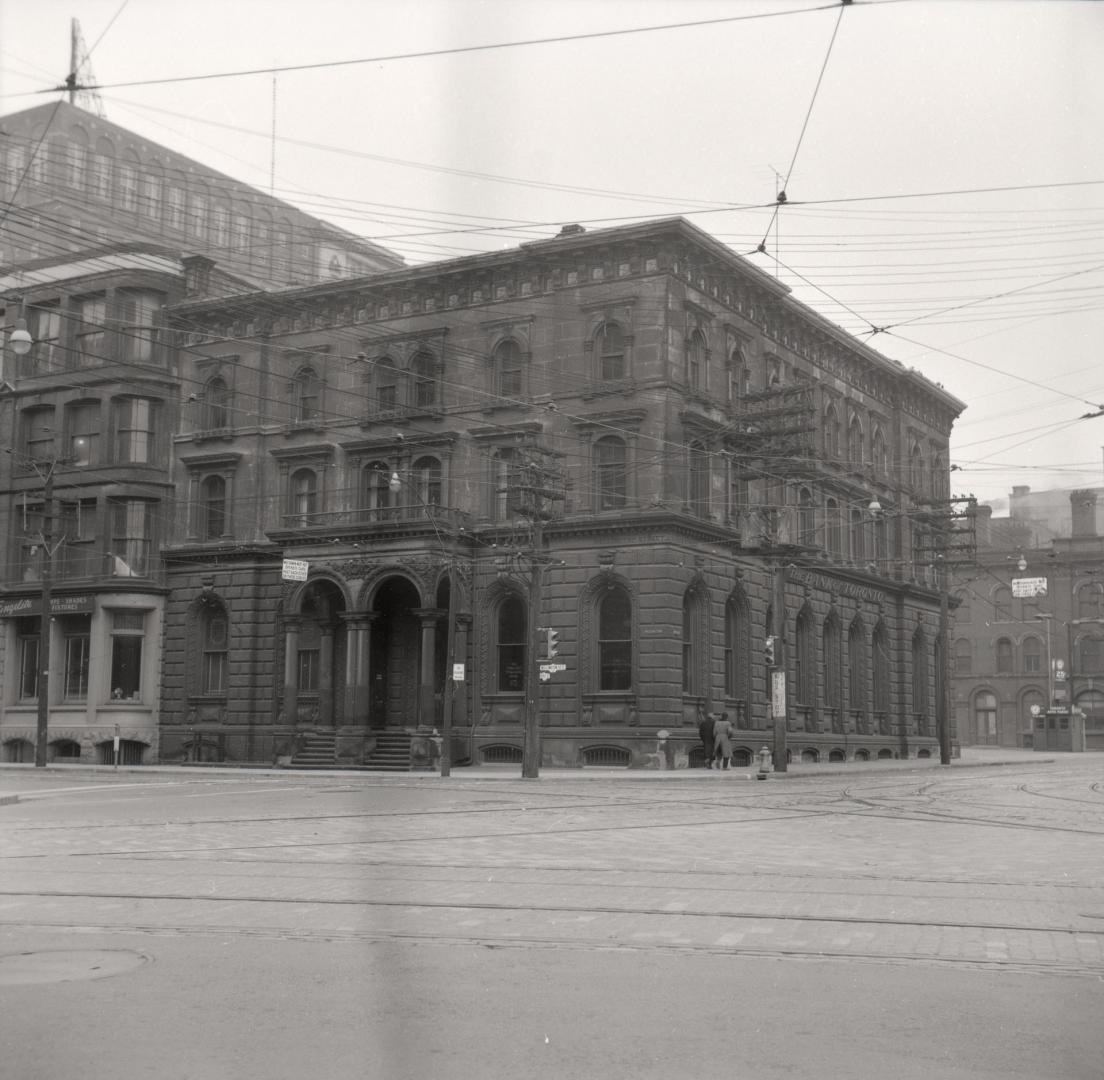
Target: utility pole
(778, 696)
(45, 623)
(943, 696)
(450, 682)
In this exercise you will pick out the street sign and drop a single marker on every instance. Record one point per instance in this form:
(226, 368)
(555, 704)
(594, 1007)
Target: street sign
(552, 668)
(457, 672)
(295, 569)
(778, 693)
(1029, 586)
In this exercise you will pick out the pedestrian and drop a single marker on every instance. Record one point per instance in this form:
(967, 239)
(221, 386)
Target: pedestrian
(705, 730)
(722, 741)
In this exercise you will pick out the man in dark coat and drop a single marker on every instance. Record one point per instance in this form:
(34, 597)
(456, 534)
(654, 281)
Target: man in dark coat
(705, 730)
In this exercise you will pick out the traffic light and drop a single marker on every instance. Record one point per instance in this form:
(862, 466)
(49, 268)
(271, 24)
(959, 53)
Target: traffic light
(552, 641)
(769, 651)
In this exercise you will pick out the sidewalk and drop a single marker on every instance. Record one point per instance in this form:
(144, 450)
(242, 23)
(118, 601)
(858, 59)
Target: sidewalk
(13, 778)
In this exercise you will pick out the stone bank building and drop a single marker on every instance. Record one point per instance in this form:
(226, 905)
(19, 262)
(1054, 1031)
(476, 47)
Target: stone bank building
(705, 445)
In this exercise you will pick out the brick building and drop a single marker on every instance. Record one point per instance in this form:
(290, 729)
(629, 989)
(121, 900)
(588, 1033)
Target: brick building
(1016, 656)
(709, 445)
(73, 180)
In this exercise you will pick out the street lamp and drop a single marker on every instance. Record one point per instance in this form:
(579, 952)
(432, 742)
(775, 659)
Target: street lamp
(20, 338)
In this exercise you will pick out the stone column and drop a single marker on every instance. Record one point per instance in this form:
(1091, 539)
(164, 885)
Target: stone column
(356, 668)
(291, 670)
(426, 688)
(326, 677)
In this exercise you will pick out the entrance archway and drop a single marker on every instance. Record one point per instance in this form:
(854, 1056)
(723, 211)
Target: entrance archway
(395, 656)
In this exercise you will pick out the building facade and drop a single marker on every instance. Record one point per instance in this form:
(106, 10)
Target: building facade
(1029, 626)
(360, 467)
(72, 180)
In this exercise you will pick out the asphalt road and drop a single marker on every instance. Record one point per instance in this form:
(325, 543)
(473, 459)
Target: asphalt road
(880, 922)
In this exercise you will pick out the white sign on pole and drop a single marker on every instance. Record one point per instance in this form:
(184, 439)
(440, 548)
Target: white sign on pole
(295, 569)
(552, 668)
(778, 693)
(457, 672)
(1029, 586)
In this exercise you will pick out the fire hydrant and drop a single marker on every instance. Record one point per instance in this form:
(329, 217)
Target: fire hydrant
(764, 757)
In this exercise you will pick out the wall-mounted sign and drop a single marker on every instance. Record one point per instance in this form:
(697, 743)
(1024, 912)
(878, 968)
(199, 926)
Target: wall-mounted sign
(295, 569)
(1029, 586)
(32, 605)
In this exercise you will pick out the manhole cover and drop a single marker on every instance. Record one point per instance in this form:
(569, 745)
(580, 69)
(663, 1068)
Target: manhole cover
(68, 965)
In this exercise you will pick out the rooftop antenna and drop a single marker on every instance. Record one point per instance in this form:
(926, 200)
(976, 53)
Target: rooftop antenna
(80, 76)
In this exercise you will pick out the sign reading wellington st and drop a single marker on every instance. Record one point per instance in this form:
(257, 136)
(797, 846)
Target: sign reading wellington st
(1029, 586)
(295, 569)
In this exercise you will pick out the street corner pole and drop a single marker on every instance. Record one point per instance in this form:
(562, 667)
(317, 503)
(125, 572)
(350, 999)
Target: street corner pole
(531, 749)
(943, 703)
(778, 696)
(43, 716)
(450, 680)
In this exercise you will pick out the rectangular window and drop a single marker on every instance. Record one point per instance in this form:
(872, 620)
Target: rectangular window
(139, 315)
(175, 206)
(220, 226)
(149, 201)
(38, 434)
(128, 186)
(78, 158)
(47, 334)
(77, 630)
(101, 177)
(130, 536)
(92, 312)
(84, 433)
(79, 557)
(127, 631)
(27, 630)
(134, 431)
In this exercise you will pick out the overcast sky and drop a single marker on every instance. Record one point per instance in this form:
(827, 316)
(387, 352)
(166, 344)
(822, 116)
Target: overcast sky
(997, 295)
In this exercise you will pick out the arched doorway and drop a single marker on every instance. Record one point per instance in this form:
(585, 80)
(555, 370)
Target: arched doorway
(395, 657)
(315, 645)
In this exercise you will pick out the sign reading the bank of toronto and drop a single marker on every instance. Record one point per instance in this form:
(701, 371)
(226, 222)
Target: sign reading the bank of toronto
(295, 569)
(1029, 586)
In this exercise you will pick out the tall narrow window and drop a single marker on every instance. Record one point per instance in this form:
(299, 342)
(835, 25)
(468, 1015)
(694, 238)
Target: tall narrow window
(128, 186)
(1004, 657)
(612, 478)
(376, 490)
(855, 443)
(77, 634)
(127, 632)
(48, 353)
(920, 693)
(878, 453)
(696, 361)
(139, 316)
(83, 434)
(306, 396)
(833, 696)
(511, 645)
(1032, 656)
(131, 523)
(504, 493)
(303, 493)
(27, 630)
(615, 640)
(213, 507)
(691, 643)
(856, 661)
(831, 434)
(806, 518)
(423, 371)
(216, 402)
(387, 385)
(881, 647)
(610, 348)
(91, 331)
(858, 536)
(38, 433)
(80, 555)
(215, 646)
(834, 530)
(985, 717)
(737, 649)
(427, 481)
(508, 370)
(699, 480)
(804, 658)
(134, 442)
(963, 657)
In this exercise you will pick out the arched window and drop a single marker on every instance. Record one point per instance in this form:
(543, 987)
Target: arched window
(737, 377)
(213, 507)
(303, 498)
(216, 401)
(833, 527)
(615, 647)
(1090, 600)
(985, 717)
(737, 647)
(916, 468)
(833, 683)
(510, 645)
(507, 363)
(940, 477)
(881, 668)
(1032, 653)
(963, 657)
(1090, 650)
(806, 518)
(306, 396)
(1002, 604)
(699, 480)
(881, 542)
(423, 370)
(878, 453)
(855, 443)
(831, 434)
(504, 491)
(214, 646)
(921, 703)
(609, 349)
(856, 662)
(376, 496)
(611, 479)
(858, 536)
(691, 642)
(427, 481)
(804, 658)
(695, 361)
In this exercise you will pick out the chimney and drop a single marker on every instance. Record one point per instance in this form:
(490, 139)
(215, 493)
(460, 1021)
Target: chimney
(197, 275)
(1083, 507)
(983, 528)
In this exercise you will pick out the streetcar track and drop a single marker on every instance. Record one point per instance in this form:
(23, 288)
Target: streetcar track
(549, 909)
